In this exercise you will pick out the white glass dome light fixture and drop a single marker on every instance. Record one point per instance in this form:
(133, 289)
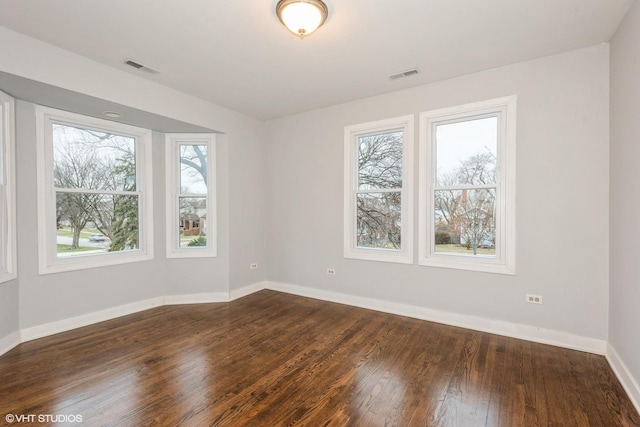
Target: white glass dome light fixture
(302, 17)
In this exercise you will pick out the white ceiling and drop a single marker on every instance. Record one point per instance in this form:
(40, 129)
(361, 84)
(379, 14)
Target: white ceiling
(236, 54)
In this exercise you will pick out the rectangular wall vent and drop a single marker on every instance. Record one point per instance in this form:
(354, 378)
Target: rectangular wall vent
(133, 63)
(137, 65)
(402, 74)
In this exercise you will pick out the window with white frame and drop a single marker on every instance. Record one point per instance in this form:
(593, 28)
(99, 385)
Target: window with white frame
(94, 192)
(191, 202)
(379, 190)
(467, 186)
(7, 189)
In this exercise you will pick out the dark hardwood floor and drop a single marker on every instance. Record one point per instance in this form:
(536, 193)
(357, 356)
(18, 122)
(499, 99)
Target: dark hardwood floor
(272, 359)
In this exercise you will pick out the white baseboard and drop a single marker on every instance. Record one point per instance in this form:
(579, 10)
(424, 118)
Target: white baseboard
(498, 327)
(629, 384)
(64, 325)
(526, 332)
(204, 298)
(234, 294)
(8, 342)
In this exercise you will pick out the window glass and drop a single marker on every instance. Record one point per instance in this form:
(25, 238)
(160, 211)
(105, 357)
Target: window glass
(466, 152)
(193, 221)
(96, 201)
(380, 161)
(466, 155)
(379, 220)
(193, 169)
(465, 221)
(379, 167)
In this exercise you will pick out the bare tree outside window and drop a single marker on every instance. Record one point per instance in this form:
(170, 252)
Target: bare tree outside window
(465, 190)
(96, 197)
(378, 198)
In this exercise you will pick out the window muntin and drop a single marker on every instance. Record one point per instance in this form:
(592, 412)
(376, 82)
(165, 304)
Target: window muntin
(467, 178)
(191, 225)
(7, 189)
(378, 190)
(94, 192)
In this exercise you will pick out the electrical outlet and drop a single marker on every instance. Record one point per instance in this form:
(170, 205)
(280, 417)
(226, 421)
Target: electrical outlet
(331, 271)
(534, 299)
(254, 265)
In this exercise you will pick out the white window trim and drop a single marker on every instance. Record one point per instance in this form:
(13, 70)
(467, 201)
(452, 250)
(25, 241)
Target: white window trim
(504, 261)
(48, 260)
(172, 172)
(8, 178)
(405, 254)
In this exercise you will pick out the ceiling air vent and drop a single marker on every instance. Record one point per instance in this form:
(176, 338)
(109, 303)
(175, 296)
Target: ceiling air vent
(137, 65)
(402, 74)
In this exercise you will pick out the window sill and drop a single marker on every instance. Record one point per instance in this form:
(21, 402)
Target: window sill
(377, 255)
(87, 262)
(192, 253)
(459, 263)
(7, 276)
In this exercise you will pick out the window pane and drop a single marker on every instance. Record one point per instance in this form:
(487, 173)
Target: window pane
(378, 223)
(465, 221)
(95, 223)
(380, 160)
(89, 159)
(193, 221)
(193, 169)
(466, 152)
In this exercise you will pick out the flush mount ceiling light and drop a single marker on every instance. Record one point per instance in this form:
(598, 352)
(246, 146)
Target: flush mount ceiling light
(302, 17)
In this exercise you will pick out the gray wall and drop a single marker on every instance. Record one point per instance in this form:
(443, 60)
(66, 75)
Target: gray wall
(562, 198)
(625, 187)
(247, 169)
(9, 319)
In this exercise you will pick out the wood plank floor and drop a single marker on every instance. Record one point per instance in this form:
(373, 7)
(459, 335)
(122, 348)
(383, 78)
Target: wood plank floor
(272, 359)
